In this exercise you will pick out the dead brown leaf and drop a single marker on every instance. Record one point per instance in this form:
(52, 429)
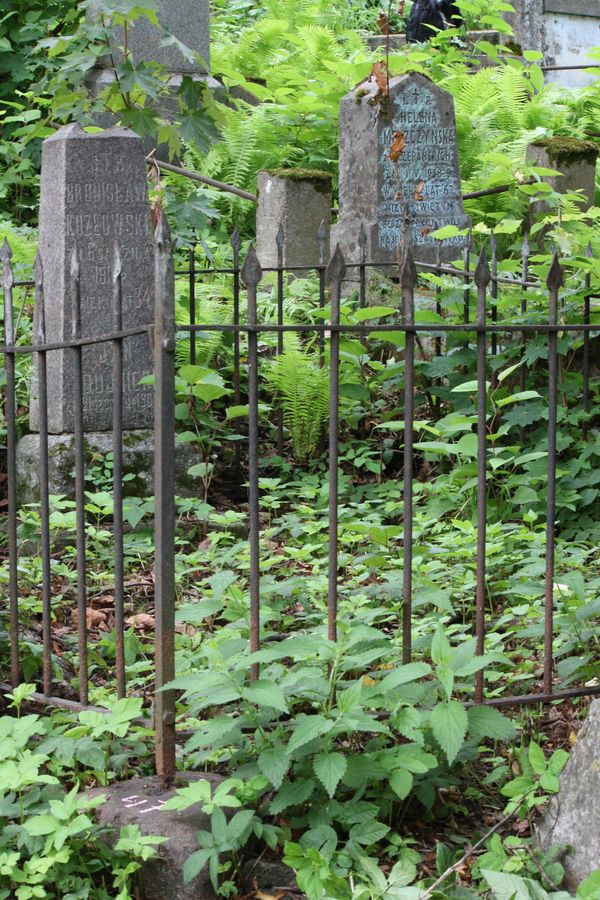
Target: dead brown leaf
(419, 195)
(94, 618)
(380, 74)
(141, 621)
(383, 23)
(398, 146)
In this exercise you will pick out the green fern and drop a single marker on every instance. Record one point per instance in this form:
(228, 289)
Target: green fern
(301, 389)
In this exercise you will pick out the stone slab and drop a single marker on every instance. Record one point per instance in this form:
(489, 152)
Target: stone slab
(300, 205)
(423, 187)
(139, 802)
(94, 195)
(572, 815)
(188, 21)
(138, 460)
(577, 175)
(573, 7)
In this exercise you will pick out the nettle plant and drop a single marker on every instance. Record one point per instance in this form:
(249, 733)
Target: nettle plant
(327, 749)
(50, 845)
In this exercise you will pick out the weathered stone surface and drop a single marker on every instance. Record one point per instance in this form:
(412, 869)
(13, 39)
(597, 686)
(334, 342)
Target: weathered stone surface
(188, 21)
(578, 168)
(299, 202)
(573, 814)
(139, 802)
(422, 188)
(93, 194)
(138, 460)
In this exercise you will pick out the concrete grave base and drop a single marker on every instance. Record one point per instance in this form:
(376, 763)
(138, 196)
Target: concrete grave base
(571, 819)
(139, 802)
(138, 460)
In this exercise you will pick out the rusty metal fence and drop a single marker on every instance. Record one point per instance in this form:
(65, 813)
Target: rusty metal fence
(481, 325)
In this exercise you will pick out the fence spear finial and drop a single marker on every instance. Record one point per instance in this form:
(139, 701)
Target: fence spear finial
(555, 278)
(251, 270)
(5, 259)
(337, 266)
(482, 276)
(407, 270)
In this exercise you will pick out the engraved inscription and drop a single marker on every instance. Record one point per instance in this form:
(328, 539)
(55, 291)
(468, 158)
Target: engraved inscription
(421, 187)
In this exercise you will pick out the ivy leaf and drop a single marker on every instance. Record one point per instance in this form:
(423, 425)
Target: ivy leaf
(274, 763)
(329, 769)
(449, 723)
(485, 721)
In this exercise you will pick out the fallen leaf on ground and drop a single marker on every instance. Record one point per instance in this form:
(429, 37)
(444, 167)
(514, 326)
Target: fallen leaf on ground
(141, 621)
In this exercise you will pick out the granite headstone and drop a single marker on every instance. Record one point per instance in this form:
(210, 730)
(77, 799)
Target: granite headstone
(93, 194)
(399, 171)
(184, 22)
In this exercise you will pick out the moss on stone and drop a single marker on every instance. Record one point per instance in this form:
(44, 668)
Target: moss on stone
(301, 174)
(568, 150)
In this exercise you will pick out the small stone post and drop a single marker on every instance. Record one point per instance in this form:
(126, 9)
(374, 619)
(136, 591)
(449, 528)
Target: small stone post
(299, 200)
(575, 159)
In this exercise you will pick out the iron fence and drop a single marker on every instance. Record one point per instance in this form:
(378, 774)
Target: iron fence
(485, 329)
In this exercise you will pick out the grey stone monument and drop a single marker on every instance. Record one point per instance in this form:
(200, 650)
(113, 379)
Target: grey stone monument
(399, 172)
(299, 201)
(93, 194)
(571, 819)
(186, 22)
(180, 42)
(575, 159)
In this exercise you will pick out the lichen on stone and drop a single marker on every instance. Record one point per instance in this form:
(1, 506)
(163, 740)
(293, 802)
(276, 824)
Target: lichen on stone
(568, 150)
(301, 174)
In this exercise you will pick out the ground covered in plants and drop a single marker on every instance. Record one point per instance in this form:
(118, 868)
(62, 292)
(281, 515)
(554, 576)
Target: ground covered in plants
(368, 777)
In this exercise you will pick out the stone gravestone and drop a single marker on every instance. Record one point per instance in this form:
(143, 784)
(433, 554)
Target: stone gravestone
(571, 819)
(93, 194)
(180, 22)
(399, 171)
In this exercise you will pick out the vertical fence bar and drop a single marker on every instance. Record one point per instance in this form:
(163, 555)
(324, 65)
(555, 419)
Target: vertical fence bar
(467, 278)
(237, 392)
(117, 444)
(11, 461)
(482, 279)
(362, 271)
(438, 294)
(335, 274)
(525, 254)
(235, 246)
(321, 241)
(42, 381)
(280, 241)
(494, 296)
(554, 282)
(408, 282)
(192, 292)
(586, 347)
(164, 493)
(78, 425)
(251, 276)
